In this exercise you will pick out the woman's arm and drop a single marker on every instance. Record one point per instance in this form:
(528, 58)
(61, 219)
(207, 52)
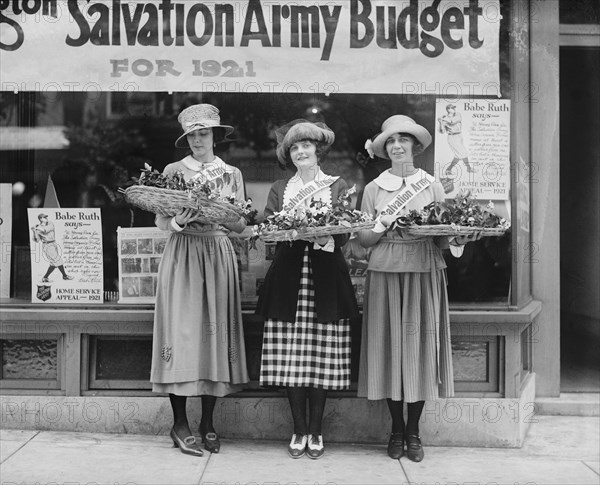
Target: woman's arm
(370, 237)
(239, 194)
(272, 202)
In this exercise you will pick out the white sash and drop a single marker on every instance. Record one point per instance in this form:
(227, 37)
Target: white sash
(307, 191)
(408, 193)
(210, 174)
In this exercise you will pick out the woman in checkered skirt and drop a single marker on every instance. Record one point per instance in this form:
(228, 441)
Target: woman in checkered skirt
(307, 298)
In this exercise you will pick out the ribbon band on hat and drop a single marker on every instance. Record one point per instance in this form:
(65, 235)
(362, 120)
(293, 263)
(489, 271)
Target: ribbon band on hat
(198, 117)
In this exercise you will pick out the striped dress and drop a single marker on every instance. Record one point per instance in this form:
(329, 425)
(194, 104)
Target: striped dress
(406, 351)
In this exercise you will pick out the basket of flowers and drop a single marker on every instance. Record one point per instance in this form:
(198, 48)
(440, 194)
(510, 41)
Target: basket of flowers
(319, 219)
(169, 194)
(460, 216)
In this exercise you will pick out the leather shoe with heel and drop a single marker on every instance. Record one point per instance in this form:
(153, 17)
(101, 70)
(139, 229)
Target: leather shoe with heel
(414, 449)
(211, 442)
(187, 445)
(395, 447)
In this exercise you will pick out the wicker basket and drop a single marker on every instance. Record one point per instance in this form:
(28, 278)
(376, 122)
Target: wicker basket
(294, 234)
(450, 230)
(169, 202)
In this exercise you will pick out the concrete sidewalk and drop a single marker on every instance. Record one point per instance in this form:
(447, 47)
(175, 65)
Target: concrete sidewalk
(558, 450)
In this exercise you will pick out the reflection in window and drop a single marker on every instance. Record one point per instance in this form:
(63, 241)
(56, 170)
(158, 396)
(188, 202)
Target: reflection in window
(29, 359)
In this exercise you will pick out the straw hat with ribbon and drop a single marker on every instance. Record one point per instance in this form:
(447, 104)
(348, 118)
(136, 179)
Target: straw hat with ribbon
(199, 117)
(298, 130)
(396, 124)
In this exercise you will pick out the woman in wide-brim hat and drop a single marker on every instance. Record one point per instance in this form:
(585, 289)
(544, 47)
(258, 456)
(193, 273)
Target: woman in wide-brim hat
(405, 348)
(307, 297)
(198, 345)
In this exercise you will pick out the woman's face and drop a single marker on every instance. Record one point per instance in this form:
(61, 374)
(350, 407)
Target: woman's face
(201, 142)
(399, 147)
(304, 154)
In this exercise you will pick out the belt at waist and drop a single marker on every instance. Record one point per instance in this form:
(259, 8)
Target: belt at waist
(404, 241)
(211, 233)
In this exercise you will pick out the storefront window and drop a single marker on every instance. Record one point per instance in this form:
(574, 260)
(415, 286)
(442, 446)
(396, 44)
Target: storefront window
(29, 359)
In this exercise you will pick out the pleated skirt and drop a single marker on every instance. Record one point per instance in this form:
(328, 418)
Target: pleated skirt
(406, 352)
(306, 353)
(198, 344)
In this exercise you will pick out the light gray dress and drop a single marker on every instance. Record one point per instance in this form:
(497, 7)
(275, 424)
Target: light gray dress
(198, 344)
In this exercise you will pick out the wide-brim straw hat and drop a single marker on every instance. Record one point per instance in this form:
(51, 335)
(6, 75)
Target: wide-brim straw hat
(199, 117)
(298, 130)
(397, 124)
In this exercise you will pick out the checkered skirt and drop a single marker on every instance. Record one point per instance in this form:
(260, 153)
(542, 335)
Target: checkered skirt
(305, 353)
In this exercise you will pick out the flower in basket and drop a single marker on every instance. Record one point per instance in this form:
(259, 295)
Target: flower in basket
(317, 215)
(462, 211)
(202, 195)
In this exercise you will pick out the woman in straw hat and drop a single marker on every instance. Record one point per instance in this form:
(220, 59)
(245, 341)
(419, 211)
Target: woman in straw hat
(307, 298)
(405, 350)
(198, 346)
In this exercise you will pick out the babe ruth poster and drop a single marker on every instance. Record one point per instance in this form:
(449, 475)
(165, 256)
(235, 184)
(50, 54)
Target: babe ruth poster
(472, 147)
(66, 255)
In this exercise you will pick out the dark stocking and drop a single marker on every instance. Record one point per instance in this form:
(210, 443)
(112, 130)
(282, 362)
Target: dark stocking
(397, 413)
(466, 160)
(180, 421)
(49, 272)
(297, 398)
(208, 408)
(316, 399)
(62, 270)
(415, 409)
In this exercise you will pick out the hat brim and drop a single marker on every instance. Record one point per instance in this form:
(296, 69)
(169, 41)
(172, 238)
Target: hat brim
(419, 132)
(182, 142)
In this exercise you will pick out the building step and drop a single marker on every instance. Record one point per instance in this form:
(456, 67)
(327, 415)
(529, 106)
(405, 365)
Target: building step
(569, 404)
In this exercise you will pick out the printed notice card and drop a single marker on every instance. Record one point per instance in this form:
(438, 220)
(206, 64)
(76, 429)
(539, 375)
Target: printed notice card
(66, 255)
(140, 250)
(472, 147)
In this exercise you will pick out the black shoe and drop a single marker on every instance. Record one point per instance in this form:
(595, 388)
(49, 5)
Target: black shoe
(211, 441)
(67, 277)
(396, 446)
(314, 447)
(187, 445)
(414, 449)
(297, 446)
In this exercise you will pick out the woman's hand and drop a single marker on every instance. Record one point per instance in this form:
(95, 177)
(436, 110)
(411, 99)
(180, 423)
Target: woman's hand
(184, 216)
(322, 240)
(387, 220)
(238, 226)
(462, 240)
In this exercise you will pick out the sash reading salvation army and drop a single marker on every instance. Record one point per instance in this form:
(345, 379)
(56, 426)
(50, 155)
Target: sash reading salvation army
(308, 191)
(407, 194)
(211, 174)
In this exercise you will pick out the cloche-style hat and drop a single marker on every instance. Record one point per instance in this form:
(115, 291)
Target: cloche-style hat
(397, 124)
(297, 130)
(198, 117)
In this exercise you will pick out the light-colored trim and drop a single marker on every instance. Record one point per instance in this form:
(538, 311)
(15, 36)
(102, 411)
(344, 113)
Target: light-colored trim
(545, 203)
(578, 35)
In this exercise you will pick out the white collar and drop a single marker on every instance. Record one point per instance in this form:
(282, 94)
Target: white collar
(296, 183)
(390, 182)
(192, 164)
